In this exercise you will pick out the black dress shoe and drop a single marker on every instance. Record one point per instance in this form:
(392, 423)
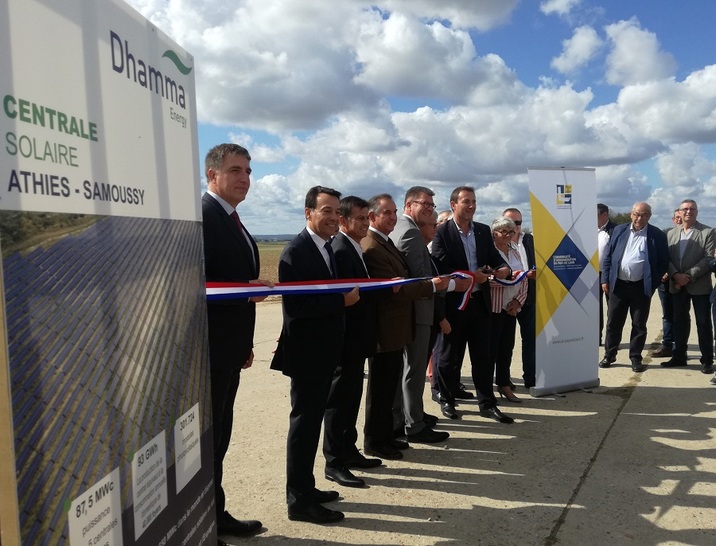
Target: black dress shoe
(707, 368)
(428, 436)
(359, 461)
(674, 362)
(399, 432)
(398, 444)
(448, 410)
(344, 477)
(607, 361)
(383, 451)
(462, 394)
(435, 395)
(324, 496)
(229, 525)
(429, 420)
(314, 513)
(713, 380)
(637, 366)
(497, 415)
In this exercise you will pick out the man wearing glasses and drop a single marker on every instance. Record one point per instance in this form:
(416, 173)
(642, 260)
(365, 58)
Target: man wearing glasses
(635, 260)
(691, 245)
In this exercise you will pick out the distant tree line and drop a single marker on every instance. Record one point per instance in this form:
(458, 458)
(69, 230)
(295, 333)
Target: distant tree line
(20, 230)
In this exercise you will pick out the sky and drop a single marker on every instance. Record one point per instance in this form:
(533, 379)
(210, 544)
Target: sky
(373, 97)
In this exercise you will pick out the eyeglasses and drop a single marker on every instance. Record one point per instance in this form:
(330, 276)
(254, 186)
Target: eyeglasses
(427, 205)
(517, 222)
(688, 209)
(640, 215)
(505, 232)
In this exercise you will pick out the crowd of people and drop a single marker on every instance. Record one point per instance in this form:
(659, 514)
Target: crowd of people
(409, 331)
(636, 259)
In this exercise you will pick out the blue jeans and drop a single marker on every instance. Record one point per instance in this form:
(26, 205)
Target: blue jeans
(667, 316)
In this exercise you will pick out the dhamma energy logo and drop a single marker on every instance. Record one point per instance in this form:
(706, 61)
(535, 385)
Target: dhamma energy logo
(181, 67)
(126, 61)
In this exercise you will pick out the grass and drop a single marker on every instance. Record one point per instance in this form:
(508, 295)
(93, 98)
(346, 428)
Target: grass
(270, 253)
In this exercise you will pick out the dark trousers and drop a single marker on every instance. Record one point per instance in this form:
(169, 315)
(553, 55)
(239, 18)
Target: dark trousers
(224, 386)
(471, 328)
(340, 434)
(667, 316)
(309, 394)
(503, 342)
(527, 321)
(384, 373)
(627, 298)
(682, 325)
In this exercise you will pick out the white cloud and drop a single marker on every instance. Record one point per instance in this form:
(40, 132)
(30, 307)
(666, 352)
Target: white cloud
(636, 56)
(578, 50)
(478, 14)
(559, 7)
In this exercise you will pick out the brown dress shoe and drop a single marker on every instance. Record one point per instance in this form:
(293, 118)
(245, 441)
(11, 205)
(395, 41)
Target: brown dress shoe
(661, 352)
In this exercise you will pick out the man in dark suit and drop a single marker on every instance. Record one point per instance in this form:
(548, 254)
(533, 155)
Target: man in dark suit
(691, 246)
(340, 434)
(527, 316)
(230, 254)
(634, 263)
(396, 327)
(309, 351)
(461, 244)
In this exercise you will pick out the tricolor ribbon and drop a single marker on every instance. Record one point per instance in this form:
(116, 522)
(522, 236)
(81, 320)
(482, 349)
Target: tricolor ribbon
(218, 291)
(517, 276)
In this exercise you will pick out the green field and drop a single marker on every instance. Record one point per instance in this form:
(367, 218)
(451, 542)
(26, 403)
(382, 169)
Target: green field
(270, 253)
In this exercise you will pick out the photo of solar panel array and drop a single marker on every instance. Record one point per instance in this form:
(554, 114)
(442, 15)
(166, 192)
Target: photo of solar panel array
(107, 345)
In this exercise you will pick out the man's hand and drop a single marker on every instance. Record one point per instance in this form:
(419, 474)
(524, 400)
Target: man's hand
(681, 279)
(532, 274)
(441, 283)
(482, 275)
(351, 298)
(513, 307)
(502, 273)
(462, 284)
(605, 288)
(445, 327)
(250, 361)
(257, 299)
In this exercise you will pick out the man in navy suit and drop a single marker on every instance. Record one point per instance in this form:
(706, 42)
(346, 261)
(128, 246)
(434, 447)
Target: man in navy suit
(634, 263)
(309, 351)
(230, 254)
(461, 244)
(340, 433)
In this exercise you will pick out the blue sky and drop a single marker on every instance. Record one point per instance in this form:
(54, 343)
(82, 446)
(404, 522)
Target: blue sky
(368, 97)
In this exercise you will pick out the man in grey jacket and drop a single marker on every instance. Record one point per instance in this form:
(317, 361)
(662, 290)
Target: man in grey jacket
(691, 246)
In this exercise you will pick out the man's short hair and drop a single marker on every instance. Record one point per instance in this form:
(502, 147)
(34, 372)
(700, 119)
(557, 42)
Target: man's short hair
(349, 202)
(511, 209)
(689, 201)
(456, 192)
(215, 157)
(444, 216)
(415, 192)
(312, 195)
(374, 202)
(602, 208)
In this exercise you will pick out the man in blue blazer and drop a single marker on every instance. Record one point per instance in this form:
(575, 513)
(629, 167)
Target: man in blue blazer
(636, 259)
(230, 254)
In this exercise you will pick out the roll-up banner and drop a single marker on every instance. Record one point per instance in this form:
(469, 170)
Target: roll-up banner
(563, 203)
(105, 432)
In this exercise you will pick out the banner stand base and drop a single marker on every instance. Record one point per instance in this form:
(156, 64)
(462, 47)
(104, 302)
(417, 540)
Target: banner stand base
(546, 391)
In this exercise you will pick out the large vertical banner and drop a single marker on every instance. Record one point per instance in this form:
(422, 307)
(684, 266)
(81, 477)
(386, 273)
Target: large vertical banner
(564, 205)
(105, 433)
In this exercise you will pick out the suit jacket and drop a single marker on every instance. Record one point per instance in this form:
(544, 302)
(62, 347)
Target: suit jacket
(449, 252)
(699, 250)
(313, 324)
(361, 335)
(528, 242)
(657, 252)
(409, 241)
(228, 257)
(395, 313)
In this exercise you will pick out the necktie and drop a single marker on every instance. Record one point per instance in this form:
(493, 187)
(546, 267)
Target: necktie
(332, 258)
(235, 217)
